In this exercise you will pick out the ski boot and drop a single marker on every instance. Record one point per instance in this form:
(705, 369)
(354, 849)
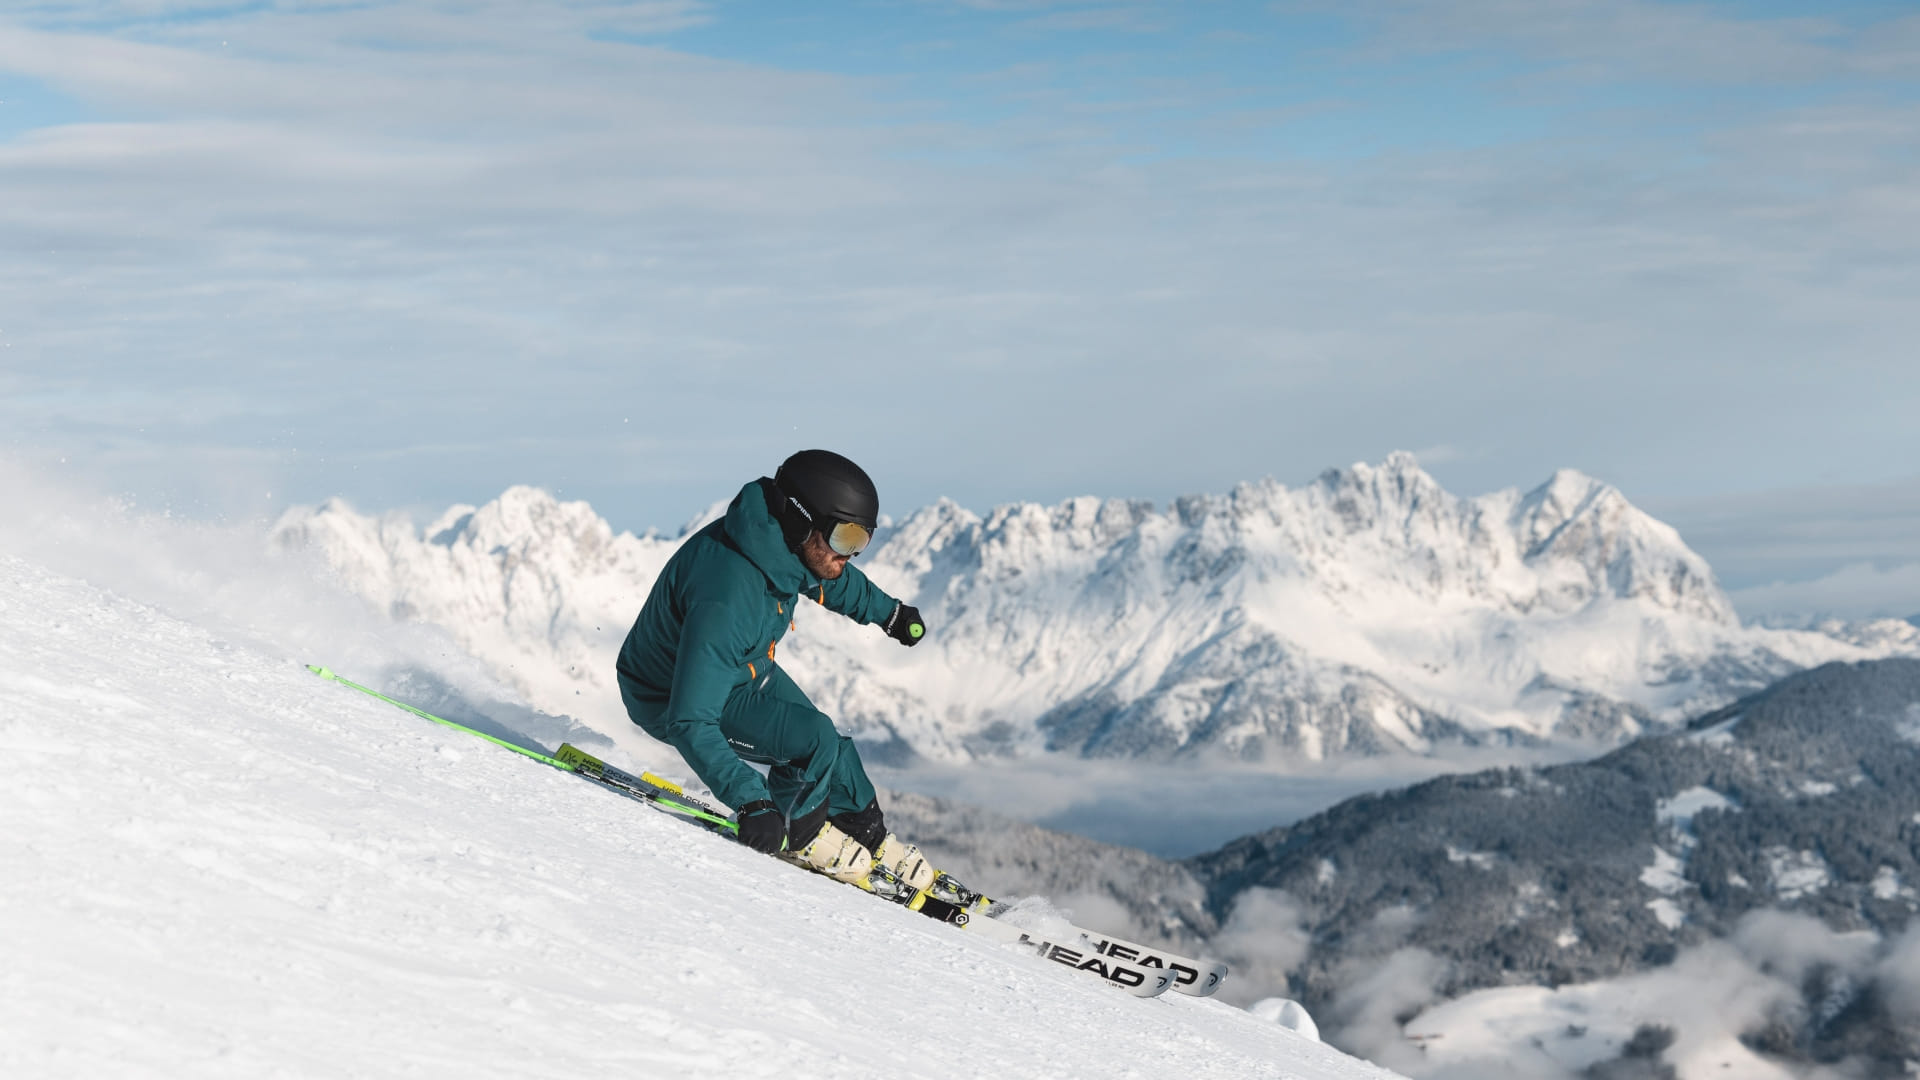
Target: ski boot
(902, 874)
(835, 854)
(904, 861)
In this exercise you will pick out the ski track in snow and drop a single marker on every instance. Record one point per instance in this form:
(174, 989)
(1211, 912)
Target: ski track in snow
(218, 865)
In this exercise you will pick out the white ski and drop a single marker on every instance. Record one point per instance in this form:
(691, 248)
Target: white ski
(1195, 978)
(1135, 979)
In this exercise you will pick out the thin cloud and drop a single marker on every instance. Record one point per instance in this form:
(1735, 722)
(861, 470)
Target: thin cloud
(1839, 548)
(1899, 975)
(1376, 996)
(1856, 591)
(1264, 937)
(1128, 19)
(1608, 40)
(375, 225)
(174, 16)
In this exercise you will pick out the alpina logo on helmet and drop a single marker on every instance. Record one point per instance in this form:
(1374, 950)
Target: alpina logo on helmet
(845, 537)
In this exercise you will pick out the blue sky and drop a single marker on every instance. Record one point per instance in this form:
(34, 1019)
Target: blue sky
(410, 253)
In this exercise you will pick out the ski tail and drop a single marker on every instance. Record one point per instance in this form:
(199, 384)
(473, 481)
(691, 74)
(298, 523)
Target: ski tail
(661, 793)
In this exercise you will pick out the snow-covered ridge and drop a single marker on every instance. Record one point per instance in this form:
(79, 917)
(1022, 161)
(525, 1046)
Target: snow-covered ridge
(1368, 611)
(219, 865)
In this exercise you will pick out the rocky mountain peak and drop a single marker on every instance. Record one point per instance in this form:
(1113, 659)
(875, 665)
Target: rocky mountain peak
(527, 518)
(1397, 496)
(1581, 522)
(1542, 512)
(1369, 611)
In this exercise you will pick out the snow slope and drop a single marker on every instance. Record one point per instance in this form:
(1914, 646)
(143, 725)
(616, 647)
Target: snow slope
(214, 864)
(1369, 611)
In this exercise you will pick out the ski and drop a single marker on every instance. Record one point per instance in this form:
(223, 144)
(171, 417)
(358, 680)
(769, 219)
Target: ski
(949, 901)
(1135, 979)
(1141, 971)
(1192, 977)
(946, 900)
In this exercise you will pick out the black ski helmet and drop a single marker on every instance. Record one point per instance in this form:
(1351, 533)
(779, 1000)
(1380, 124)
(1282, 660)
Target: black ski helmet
(829, 489)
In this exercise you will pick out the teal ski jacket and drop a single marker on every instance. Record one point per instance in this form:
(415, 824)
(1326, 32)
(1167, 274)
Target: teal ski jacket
(710, 626)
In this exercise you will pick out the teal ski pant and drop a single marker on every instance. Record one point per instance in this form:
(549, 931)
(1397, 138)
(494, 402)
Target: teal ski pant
(770, 722)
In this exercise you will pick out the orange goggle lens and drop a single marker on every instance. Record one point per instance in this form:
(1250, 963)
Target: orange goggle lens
(848, 539)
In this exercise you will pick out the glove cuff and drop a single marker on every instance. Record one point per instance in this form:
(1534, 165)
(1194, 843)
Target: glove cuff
(757, 806)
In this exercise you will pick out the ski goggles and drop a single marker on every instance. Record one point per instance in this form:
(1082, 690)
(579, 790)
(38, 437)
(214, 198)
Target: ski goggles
(848, 539)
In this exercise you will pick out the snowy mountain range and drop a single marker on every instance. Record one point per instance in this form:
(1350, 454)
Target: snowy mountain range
(1369, 611)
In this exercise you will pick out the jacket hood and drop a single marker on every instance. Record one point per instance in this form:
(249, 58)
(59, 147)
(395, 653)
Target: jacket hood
(751, 526)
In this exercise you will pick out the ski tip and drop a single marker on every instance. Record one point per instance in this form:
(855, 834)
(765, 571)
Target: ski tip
(325, 673)
(1158, 982)
(1209, 981)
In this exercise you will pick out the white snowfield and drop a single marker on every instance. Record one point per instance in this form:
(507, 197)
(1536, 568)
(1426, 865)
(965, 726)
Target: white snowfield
(213, 864)
(1369, 611)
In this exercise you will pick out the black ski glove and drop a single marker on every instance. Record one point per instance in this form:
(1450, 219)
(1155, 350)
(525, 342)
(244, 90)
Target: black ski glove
(762, 827)
(904, 625)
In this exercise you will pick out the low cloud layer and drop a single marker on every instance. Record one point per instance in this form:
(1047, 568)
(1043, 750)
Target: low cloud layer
(1763, 1002)
(1857, 591)
(1264, 937)
(1376, 998)
(1121, 802)
(1844, 548)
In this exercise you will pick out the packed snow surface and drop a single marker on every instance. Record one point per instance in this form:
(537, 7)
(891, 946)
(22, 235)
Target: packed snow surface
(215, 864)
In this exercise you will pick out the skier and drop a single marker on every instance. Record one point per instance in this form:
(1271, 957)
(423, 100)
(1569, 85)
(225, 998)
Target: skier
(698, 673)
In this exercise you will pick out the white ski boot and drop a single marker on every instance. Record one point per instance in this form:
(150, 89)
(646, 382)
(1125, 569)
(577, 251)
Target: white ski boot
(835, 854)
(904, 861)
